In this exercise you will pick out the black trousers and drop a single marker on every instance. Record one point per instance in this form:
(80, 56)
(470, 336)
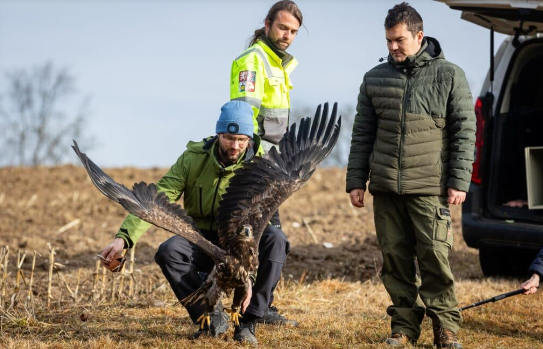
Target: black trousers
(186, 266)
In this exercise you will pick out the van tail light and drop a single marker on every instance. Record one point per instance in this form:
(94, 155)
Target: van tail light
(479, 140)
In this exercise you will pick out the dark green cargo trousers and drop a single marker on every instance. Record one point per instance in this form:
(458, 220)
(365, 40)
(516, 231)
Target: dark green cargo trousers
(416, 228)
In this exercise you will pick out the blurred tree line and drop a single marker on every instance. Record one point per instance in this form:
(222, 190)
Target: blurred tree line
(40, 113)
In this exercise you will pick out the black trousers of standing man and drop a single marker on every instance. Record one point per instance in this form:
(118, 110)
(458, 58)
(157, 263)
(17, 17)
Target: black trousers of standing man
(184, 264)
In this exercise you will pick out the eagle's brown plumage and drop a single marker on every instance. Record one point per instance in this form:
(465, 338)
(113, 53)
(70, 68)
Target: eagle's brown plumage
(254, 194)
(258, 189)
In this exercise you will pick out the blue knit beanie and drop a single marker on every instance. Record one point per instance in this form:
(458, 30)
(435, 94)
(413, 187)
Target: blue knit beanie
(236, 118)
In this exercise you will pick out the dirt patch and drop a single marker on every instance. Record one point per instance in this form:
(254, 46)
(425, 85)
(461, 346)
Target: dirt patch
(329, 238)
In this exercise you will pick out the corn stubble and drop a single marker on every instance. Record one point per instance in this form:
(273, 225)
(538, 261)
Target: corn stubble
(76, 309)
(81, 310)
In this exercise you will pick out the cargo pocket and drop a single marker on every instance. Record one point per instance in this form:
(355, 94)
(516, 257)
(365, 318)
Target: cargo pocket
(275, 90)
(442, 226)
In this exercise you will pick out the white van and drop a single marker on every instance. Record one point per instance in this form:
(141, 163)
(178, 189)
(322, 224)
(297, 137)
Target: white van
(496, 217)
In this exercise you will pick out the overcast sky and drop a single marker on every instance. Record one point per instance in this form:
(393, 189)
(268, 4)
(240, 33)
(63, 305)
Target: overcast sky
(157, 72)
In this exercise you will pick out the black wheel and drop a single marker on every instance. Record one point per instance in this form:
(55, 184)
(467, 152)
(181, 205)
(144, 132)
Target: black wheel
(503, 261)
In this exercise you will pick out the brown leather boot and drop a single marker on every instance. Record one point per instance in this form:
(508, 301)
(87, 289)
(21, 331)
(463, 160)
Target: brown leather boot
(398, 340)
(444, 338)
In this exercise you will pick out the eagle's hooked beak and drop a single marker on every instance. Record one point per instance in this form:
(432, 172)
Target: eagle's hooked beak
(247, 231)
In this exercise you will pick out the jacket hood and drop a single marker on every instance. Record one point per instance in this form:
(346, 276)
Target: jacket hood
(430, 49)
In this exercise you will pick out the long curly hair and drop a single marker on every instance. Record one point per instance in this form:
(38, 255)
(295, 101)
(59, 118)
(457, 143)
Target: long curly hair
(284, 5)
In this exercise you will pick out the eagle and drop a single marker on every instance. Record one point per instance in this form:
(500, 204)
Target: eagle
(254, 194)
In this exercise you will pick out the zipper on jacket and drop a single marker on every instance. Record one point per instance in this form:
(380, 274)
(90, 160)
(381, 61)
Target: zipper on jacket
(402, 131)
(215, 196)
(201, 199)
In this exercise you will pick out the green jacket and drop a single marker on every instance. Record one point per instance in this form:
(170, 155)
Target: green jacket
(201, 178)
(414, 131)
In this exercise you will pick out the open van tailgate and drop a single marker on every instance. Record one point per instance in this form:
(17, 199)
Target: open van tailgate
(504, 16)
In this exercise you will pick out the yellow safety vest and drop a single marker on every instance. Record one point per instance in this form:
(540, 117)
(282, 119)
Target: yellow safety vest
(258, 78)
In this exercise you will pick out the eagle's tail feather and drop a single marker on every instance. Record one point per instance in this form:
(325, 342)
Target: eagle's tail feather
(197, 295)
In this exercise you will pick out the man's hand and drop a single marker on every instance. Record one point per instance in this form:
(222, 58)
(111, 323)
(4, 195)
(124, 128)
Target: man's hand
(245, 302)
(531, 284)
(357, 197)
(112, 251)
(456, 197)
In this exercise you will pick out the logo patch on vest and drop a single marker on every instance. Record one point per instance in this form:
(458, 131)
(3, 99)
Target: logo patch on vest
(247, 80)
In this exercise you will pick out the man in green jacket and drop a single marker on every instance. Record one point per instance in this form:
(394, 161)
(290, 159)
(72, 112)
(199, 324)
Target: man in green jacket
(413, 139)
(202, 174)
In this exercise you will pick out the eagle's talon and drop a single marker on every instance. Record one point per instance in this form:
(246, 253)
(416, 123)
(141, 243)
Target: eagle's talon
(234, 315)
(204, 319)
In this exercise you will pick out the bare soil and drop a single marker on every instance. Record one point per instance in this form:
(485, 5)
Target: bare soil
(340, 303)
(329, 238)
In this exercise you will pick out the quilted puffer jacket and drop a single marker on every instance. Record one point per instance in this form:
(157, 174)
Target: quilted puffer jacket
(414, 131)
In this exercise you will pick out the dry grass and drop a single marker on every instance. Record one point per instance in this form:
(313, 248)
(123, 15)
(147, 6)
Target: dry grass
(332, 314)
(42, 205)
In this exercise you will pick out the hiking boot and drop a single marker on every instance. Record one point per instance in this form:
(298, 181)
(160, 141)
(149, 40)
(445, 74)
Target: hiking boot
(245, 332)
(398, 340)
(218, 324)
(272, 316)
(444, 338)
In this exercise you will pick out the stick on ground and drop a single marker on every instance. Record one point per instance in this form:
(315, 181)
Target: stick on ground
(51, 268)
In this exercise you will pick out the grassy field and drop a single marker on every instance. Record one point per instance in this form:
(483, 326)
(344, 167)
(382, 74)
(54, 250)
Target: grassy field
(332, 314)
(321, 289)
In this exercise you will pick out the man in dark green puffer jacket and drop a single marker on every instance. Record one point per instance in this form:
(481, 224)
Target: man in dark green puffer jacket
(413, 139)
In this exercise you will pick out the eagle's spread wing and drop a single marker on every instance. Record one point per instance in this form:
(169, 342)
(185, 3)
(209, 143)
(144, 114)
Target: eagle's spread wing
(144, 202)
(257, 189)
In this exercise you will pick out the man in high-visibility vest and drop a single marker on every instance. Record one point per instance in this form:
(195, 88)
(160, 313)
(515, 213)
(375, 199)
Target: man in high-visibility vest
(260, 77)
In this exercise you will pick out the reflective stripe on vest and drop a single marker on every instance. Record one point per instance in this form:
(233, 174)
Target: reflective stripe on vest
(275, 112)
(255, 102)
(263, 57)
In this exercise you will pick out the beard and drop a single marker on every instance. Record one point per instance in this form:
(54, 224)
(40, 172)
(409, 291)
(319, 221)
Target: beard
(226, 157)
(281, 45)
